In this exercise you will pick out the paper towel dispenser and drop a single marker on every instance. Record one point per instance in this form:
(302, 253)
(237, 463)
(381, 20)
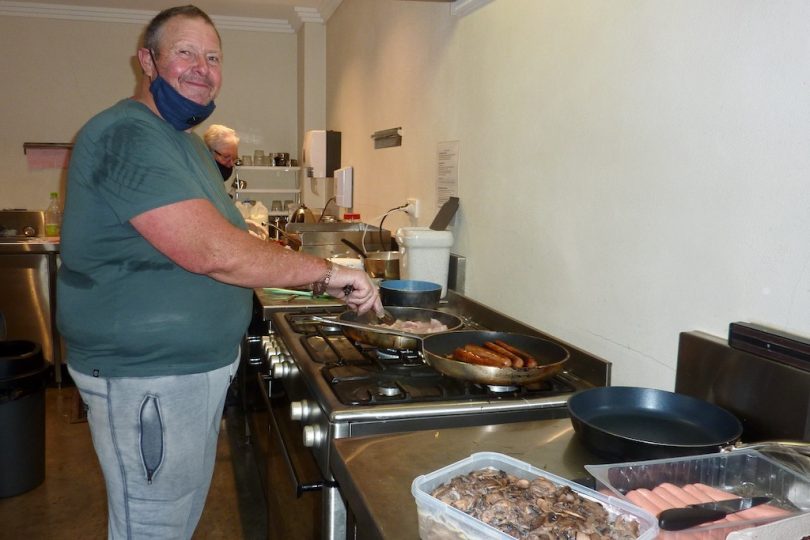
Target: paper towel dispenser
(321, 153)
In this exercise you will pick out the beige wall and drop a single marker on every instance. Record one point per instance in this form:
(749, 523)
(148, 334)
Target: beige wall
(629, 170)
(57, 74)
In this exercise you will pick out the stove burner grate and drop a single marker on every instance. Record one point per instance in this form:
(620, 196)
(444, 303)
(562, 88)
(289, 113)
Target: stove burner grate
(361, 374)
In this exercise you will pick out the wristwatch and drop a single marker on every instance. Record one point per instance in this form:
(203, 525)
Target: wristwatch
(319, 287)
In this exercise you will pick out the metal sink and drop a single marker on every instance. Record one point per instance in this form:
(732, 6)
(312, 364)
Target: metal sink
(23, 232)
(21, 224)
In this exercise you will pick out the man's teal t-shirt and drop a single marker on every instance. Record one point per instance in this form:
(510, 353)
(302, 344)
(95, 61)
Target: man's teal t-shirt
(123, 308)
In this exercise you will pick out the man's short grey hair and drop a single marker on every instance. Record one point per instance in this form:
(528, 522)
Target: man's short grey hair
(152, 34)
(218, 135)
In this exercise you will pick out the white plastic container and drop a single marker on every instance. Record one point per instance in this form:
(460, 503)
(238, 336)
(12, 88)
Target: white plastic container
(439, 520)
(424, 255)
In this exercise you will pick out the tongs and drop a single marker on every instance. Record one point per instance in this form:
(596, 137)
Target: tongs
(367, 327)
(677, 519)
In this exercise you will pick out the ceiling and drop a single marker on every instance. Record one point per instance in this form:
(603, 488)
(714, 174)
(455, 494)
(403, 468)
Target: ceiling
(294, 12)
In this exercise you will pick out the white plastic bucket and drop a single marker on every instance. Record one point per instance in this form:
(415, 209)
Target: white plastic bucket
(424, 254)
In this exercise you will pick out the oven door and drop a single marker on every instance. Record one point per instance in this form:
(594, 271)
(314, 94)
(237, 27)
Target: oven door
(293, 480)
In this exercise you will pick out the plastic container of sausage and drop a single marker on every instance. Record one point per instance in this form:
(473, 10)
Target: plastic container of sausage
(438, 520)
(739, 473)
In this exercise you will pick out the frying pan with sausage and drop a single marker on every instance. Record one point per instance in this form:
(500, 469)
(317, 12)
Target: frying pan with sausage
(440, 349)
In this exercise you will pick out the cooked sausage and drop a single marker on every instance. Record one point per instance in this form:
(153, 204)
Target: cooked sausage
(504, 361)
(517, 361)
(528, 359)
(464, 355)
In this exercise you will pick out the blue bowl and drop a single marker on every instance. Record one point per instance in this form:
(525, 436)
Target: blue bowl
(410, 293)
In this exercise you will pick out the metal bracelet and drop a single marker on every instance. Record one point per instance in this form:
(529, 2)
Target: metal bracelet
(319, 287)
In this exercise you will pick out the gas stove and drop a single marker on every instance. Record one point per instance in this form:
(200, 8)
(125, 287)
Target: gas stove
(364, 375)
(320, 386)
(352, 382)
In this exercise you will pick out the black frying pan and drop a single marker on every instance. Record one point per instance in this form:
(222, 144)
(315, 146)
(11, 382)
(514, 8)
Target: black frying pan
(625, 423)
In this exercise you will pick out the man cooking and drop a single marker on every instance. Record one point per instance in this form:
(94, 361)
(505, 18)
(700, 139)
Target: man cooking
(155, 287)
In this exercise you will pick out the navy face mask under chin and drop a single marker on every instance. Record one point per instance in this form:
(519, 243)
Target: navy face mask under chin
(176, 109)
(224, 170)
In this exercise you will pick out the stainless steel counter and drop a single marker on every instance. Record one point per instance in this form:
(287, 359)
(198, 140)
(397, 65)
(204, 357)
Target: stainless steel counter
(375, 473)
(270, 301)
(32, 245)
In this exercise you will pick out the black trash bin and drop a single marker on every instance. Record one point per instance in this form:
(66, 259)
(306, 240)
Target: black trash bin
(23, 373)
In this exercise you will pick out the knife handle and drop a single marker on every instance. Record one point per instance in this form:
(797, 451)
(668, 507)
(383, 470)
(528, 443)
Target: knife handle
(677, 519)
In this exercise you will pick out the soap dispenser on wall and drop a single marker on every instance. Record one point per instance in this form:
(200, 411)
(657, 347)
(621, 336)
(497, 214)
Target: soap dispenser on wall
(320, 158)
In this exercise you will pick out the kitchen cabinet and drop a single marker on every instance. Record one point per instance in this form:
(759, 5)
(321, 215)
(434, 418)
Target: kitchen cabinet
(269, 185)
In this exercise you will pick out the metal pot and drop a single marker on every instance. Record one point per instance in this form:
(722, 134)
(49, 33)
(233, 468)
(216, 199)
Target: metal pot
(408, 292)
(302, 215)
(626, 423)
(382, 264)
(438, 349)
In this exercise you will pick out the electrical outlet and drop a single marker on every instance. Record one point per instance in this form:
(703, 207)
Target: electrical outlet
(413, 208)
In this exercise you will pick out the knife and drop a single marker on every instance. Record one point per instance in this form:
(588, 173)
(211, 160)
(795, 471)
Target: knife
(677, 519)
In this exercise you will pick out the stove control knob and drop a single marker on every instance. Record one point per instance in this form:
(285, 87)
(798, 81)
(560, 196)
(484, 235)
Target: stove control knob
(300, 410)
(283, 351)
(269, 347)
(283, 369)
(312, 435)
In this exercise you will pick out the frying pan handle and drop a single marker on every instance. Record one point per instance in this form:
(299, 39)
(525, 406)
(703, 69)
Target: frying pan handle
(801, 447)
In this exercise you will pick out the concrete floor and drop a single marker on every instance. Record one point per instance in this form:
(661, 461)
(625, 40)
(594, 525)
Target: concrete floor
(71, 503)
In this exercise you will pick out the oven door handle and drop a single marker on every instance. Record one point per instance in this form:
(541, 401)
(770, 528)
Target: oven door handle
(300, 488)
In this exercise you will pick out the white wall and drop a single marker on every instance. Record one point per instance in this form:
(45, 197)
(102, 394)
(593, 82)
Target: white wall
(629, 170)
(57, 74)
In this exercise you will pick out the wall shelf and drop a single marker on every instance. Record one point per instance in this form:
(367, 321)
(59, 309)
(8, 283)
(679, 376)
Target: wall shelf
(263, 168)
(45, 146)
(270, 185)
(248, 190)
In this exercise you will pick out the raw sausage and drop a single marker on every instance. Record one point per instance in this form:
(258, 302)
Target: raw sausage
(517, 361)
(464, 355)
(668, 495)
(528, 359)
(762, 511)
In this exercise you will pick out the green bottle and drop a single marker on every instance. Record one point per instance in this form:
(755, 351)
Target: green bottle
(53, 216)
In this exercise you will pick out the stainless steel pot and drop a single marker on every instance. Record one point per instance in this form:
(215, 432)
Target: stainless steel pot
(302, 215)
(382, 264)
